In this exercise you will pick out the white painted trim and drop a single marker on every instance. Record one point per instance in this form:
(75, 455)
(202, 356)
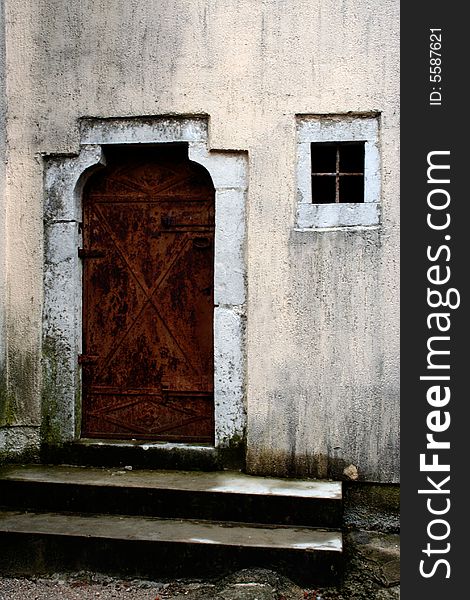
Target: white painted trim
(64, 180)
(311, 129)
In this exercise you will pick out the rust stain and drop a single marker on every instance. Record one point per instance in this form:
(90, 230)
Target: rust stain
(148, 270)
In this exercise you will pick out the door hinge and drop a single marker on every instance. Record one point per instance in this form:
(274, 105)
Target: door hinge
(85, 253)
(87, 359)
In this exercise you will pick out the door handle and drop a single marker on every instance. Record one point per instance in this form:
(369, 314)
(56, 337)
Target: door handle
(168, 221)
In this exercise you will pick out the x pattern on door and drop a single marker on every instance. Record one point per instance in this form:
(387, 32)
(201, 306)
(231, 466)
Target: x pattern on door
(148, 302)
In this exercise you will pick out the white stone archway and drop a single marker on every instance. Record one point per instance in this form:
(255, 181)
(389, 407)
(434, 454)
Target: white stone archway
(62, 329)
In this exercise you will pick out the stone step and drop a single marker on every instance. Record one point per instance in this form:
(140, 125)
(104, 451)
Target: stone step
(218, 496)
(150, 455)
(36, 543)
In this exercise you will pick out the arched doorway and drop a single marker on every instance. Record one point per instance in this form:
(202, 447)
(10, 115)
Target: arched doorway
(148, 303)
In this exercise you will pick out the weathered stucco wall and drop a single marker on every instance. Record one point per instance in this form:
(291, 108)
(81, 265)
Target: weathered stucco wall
(2, 211)
(322, 328)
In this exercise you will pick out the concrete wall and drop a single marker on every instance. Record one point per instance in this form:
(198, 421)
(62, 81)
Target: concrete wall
(322, 328)
(2, 212)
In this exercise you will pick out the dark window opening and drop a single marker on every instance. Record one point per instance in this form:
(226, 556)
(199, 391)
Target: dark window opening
(323, 188)
(337, 172)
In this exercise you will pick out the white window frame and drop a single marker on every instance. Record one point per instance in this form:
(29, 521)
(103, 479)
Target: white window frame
(320, 129)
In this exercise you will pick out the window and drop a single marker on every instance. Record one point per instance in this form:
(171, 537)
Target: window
(338, 172)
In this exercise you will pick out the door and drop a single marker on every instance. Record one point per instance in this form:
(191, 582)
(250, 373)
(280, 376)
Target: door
(148, 271)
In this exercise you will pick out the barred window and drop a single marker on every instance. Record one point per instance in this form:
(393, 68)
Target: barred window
(337, 172)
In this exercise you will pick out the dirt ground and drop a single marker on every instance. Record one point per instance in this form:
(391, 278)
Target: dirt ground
(252, 584)
(244, 585)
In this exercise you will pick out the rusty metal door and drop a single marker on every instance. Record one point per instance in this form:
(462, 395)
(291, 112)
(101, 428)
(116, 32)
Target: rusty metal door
(148, 269)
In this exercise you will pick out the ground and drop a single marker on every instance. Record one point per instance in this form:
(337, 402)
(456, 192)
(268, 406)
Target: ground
(372, 573)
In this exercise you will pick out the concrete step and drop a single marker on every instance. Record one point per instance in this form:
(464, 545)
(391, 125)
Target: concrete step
(151, 455)
(35, 543)
(218, 496)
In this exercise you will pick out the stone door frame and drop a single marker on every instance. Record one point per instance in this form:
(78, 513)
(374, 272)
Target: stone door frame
(65, 177)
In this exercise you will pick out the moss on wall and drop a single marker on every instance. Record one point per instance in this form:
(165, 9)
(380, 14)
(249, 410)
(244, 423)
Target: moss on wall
(6, 414)
(52, 387)
(19, 414)
(18, 389)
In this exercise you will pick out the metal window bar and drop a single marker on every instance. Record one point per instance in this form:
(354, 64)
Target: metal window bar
(337, 174)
